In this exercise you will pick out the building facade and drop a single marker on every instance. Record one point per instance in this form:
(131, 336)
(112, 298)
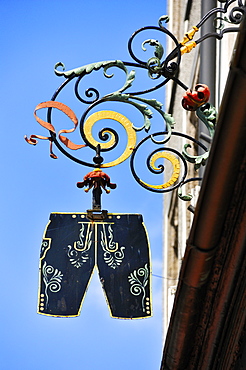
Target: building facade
(208, 64)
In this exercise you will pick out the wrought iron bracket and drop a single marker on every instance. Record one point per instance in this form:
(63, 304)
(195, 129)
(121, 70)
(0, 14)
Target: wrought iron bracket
(159, 67)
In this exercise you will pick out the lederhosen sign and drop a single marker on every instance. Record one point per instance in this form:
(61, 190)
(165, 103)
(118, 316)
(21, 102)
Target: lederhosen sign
(73, 245)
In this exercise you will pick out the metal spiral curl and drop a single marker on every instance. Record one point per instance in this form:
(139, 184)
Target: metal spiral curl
(179, 174)
(89, 93)
(240, 6)
(167, 68)
(235, 17)
(170, 154)
(108, 136)
(187, 197)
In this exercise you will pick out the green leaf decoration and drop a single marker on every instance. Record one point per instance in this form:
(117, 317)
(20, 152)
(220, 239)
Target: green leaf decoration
(169, 119)
(159, 51)
(116, 63)
(129, 80)
(163, 18)
(198, 160)
(185, 197)
(86, 69)
(208, 115)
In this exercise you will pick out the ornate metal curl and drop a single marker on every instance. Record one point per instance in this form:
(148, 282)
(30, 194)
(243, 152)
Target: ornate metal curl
(177, 160)
(159, 67)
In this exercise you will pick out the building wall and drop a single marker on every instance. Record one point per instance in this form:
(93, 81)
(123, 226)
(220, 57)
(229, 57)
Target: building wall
(177, 219)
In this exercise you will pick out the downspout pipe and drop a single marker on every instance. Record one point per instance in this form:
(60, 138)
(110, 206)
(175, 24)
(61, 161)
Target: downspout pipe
(227, 151)
(208, 50)
(207, 63)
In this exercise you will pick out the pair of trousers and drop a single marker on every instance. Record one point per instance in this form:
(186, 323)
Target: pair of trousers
(74, 245)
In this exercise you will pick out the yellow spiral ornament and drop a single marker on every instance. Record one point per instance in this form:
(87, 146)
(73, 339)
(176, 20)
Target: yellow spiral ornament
(175, 174)
(125, 122)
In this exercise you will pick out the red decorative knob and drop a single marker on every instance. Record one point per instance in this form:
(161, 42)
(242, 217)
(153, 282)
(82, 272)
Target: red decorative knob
(96, 178)
(192, 100)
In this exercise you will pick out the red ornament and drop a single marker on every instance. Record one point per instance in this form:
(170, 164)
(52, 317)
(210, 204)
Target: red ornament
(96, 178)
(192, 100)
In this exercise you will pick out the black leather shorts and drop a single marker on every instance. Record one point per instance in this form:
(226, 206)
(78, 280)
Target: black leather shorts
(74, 245)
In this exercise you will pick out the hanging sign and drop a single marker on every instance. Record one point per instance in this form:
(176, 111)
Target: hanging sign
(75, 243)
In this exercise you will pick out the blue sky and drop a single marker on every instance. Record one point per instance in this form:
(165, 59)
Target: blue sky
(34, 36)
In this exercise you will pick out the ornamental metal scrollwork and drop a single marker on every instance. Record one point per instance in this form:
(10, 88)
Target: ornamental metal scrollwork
(159, 67)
